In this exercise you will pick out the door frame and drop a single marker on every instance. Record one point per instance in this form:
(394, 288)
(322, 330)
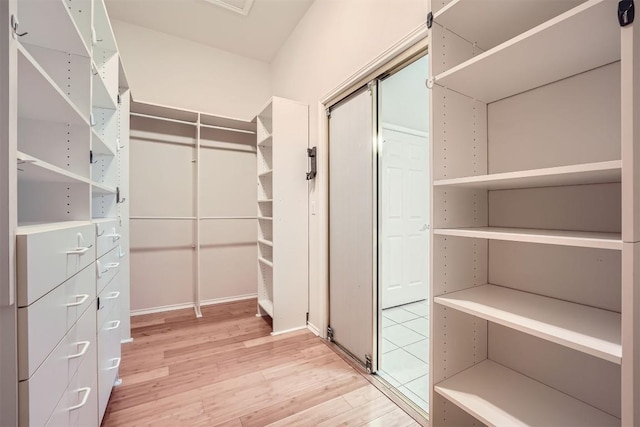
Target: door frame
(412, 45)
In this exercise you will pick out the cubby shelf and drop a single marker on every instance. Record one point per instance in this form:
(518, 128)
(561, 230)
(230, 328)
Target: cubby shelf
(33, 169)
(265, 174)
(547, 53)
(99, 145)
(266, 201)
(590, 330)
(265, 262)
(499, 396)
(101, 96)
(265, 218)
(50, 24)
(40, 98)
(265, 242)
(488, 24)
(267, 306)
(101, 189)
(591, 173)
(583, 239)
(266, 142)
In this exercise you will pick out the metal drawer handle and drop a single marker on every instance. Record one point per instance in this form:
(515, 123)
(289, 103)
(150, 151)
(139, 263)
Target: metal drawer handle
(87, 392)
(114, 236)
(85, 346)
(100, 232)
(110, 266)
(116, 364)
(116, 325)
(120, 253)
(79, 251)
(113, 295)
(83, 298)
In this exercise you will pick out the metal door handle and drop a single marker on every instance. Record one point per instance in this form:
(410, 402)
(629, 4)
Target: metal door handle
(87, 391)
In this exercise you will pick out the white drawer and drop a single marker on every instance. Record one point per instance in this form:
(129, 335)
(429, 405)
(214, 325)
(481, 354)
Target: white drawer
(107, 299)
(107, 267)
(49, 255)
(44, 323)
(109, 356)
(107, 236)
(79, 403)
(40, 394)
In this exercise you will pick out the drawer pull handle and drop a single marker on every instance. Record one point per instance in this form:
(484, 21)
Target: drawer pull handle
(82, 297)
(79, 251)
(85, 346)
(115, 236)
(100, 233)
(87, 392)
(116, 325)
(120, 253)
(113, 295)
(110, 266)
(116, 365)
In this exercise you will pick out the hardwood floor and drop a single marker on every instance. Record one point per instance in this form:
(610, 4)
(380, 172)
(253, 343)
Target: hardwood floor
(225, 369)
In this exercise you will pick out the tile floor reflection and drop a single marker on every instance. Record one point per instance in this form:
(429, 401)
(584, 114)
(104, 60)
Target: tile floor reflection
(405, 350)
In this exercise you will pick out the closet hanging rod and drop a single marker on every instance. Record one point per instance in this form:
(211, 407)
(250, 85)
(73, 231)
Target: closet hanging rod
(175, 218)
(166, 119)
(227, 128)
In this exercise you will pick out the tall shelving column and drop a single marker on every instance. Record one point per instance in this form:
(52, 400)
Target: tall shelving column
(282, 138)
(528, 265)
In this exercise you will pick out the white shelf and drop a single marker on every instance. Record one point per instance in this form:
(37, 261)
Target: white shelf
(265, 218)
(266, 201)
(40, 98)
(547, 53)
(491, 22)
(266, 142)
(265, 242)
(498, 396)
(267, 306)
(32, 169)
(591, 173)
(265, 262)
(44, 226)
(99, 145)
(98, 189)
(101, 97)
(581, 239)
(265, 174)
(590, 330)
(50, 24)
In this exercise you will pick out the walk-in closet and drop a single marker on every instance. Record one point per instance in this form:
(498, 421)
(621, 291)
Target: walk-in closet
(319, 213)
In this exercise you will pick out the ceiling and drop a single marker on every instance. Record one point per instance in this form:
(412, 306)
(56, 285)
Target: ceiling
(258, 35)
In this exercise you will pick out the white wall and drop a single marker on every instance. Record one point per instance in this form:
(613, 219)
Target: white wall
(334, 40)
(168, 70)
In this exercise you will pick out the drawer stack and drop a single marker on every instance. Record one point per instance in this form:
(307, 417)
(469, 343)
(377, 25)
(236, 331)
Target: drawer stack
(57, 324)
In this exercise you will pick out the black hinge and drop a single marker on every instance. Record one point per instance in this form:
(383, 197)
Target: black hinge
(329, 333)
(430, 20)
(119, 99)
(117, 194)
(311, 153)
(98, 303)
(90, 156)
(626, 12)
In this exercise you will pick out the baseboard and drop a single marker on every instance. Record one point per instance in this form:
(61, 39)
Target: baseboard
(313, 328)
(288, 330)
(173, 307)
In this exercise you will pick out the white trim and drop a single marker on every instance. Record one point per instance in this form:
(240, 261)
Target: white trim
(322, 182)
(286, 331)
(173, 307)
(126, 341)
(408, 131)
(313, 329)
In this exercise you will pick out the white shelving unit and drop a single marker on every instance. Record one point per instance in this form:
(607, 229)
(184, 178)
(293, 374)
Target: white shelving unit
(534, 228)
(282, 138)
(72, 167)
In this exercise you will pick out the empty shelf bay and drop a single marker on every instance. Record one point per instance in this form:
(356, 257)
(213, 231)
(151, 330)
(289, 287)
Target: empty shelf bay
(583, 239)
(591, 173)
(265, 242)
(266, 262)
(99, 189)
(587, 329)
(499, 396)
(547, 53)
(267, 306)
(33, 169)
(101, 96)
(100, 146)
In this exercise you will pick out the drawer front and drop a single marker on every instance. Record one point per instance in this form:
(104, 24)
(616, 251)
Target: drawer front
(44, 323)
(79, 403)
(107, 236)
(40, 394)
(48, 258)
(107, 267)
(107, 299)
(109, 357)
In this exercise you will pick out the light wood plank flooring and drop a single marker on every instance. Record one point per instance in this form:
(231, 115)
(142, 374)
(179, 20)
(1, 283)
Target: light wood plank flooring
(225, 369)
